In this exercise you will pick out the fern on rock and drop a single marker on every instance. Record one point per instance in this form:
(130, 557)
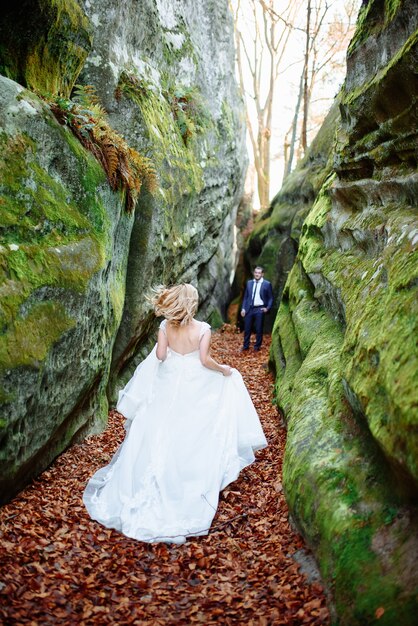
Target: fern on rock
(125, 168)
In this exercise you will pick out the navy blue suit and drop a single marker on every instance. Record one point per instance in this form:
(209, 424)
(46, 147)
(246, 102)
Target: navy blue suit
(254, 314)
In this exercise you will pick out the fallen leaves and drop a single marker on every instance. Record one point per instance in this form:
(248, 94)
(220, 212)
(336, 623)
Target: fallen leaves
(60, 567)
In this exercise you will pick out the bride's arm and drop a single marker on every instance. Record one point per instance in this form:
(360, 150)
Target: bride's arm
(207, 360)
(162, 344)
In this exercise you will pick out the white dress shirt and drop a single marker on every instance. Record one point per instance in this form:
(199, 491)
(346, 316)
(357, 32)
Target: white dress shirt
(257, 301)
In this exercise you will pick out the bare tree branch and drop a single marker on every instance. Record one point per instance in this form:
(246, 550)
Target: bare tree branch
(263, 35)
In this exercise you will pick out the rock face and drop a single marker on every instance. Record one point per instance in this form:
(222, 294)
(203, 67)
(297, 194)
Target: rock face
(344, 340)
(75, 264)
(177, 104)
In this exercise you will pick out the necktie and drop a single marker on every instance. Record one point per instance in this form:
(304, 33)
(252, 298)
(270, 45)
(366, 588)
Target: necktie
(254, 291)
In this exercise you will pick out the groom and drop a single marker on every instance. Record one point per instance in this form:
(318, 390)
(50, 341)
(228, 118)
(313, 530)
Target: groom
(258, 300)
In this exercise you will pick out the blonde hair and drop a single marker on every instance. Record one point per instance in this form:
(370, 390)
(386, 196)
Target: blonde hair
(178, 304)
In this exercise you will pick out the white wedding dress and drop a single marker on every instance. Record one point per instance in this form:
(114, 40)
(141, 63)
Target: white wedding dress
(190, 430)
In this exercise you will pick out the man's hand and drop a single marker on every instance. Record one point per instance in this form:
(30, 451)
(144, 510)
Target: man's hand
(242, 312)
(265, 310)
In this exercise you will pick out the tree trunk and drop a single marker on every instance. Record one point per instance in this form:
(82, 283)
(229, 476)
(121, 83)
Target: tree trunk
(294, 127)
(304, 133)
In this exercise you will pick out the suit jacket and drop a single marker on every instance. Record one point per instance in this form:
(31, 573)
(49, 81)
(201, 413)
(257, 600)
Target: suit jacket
(266, 294)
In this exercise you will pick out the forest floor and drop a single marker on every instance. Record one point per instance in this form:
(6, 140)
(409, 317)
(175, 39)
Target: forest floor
(59, 567)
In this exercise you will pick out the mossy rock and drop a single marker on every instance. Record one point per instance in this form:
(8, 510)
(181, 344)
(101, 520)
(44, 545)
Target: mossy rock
(178, 230)
(373, 288)
(373, 18)
(215, 319)
(343, 345)
(340, 490)
(72, 261)
(43, 44)
(63, 243)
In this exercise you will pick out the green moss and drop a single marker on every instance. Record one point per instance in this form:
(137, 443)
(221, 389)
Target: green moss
(380, 76)
(47, 239)
(374, 16)
(331, 456)
(311, 244)
(285, 352)
(116, 295)
(307, 316)
(227, 124)
(28, 339)
(45, 46)
(91, 176)
(346, 362)
(379, 359)
(268, 257)
(391, 9)
(176, 52)
(188, 110)
(215, 319)
(34, 205)
(363, 29)
(330, 459)
(177, 163)
(260, 231)
(278, 219)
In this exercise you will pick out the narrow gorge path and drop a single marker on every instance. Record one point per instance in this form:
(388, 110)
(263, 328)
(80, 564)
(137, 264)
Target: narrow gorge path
(59, 567)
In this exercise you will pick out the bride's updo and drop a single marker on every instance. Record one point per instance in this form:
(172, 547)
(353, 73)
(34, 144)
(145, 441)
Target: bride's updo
(178, 304)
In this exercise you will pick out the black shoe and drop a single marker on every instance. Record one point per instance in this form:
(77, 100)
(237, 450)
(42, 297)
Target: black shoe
(256, 349)
(244, 349)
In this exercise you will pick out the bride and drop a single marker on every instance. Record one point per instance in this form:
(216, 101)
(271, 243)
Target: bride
(191, 427)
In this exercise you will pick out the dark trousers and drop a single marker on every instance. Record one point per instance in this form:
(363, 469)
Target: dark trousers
(253, 318)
